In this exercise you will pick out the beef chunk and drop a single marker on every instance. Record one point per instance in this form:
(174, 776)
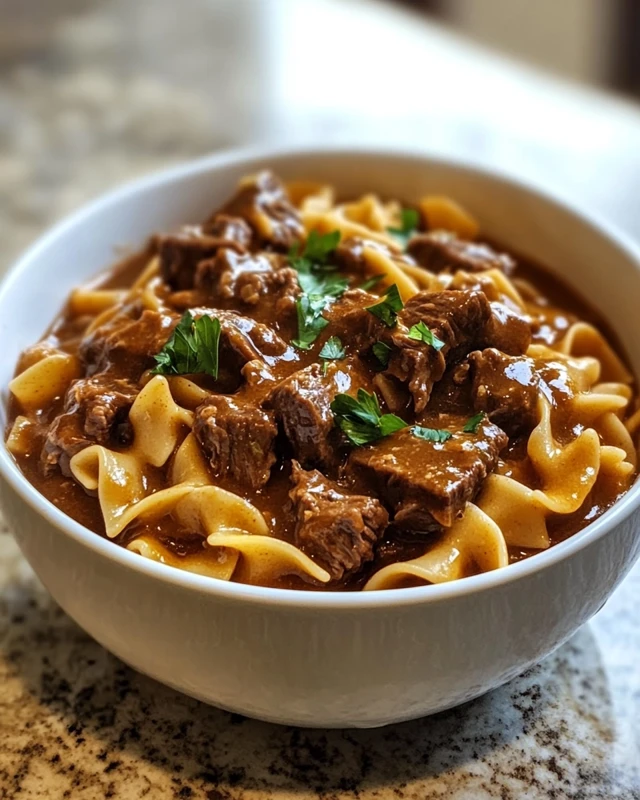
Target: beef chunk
(442, 250)
(181, 252)
(507, 388)
(95, 413)
(127, 344)
(246, 338)
(263, 202)
(64, 439)
(102, 402)
(350, 321)
(250, 279)
(302, 403)
(238, 439)
(427, 484)
(337, 529)
(507, 330)
(458, 318)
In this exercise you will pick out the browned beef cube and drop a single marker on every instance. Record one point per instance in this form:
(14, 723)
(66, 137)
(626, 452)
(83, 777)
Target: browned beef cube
(507, 388)
(302, 403)
(238, 439)
(263, 202)
(507, 330)
(425, 483)
(337, 529)
(442, 250)
(253, 279)
(127, 344)
(245, 337)
(102, 402)
(457, 317)
(231, 230)
(64, 439)
(96, 411)
(350, 321)
(181, 252)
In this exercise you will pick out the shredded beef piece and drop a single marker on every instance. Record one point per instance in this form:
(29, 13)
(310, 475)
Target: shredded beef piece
(251, 279)
(246, 338)
(427, 484)
(507, 388)
(302, 403)
(442, 250)
(263, 202)
(181, 252)
(127, 345)
(95, 413)
(238, 439)
(338, 529)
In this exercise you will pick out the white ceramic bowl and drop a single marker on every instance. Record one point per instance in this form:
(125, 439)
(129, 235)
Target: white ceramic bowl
(314, 658)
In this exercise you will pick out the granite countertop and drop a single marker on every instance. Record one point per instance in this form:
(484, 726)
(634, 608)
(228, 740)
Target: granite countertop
(91, 93)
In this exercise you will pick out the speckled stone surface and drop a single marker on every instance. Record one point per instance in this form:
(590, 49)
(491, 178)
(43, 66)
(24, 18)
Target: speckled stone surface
(90, 94)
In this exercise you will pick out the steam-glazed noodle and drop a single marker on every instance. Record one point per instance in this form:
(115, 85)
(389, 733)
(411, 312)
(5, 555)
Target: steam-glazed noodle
(306, 393)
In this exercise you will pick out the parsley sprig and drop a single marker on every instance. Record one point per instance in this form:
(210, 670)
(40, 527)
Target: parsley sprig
(382, 352)
(387, 309)
(333, 349)
(473, 422)
(422, 333)
(191, 349)
(361, 420)
(431, 434)
(409, 219)
(320, 287)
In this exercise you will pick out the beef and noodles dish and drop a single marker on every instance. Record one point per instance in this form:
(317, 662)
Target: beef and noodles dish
(307, 393)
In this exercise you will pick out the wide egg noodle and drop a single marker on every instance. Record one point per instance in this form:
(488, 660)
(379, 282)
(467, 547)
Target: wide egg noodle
(41, 383)
(473, 543)
(225, 520)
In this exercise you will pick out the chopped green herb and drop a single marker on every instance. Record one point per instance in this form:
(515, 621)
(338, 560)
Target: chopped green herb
(387, 309)
(409, 219)
(324, 285)
(316, 252)
(361, 420)
(382, 352)
(422, 333)
(374, 280)
(320, 288)
(311, 323)
(431, 434)
(192, 348)
(333, 349)
(473, 422)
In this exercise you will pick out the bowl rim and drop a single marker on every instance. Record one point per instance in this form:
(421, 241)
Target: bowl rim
(297, 598)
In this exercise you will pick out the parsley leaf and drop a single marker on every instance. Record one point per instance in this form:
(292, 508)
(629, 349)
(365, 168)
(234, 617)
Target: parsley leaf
(387, 309)
(316, 252)
(374, 280)
(319, 287)
(421, 333)
(192, 348)
(382, 352)
(473, 422)
(333, 349)
(409, 219)
(311, 323)
(431, 434)
(361, 420)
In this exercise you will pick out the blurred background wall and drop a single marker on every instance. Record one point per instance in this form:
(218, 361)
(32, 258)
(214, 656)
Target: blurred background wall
(94, 92)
